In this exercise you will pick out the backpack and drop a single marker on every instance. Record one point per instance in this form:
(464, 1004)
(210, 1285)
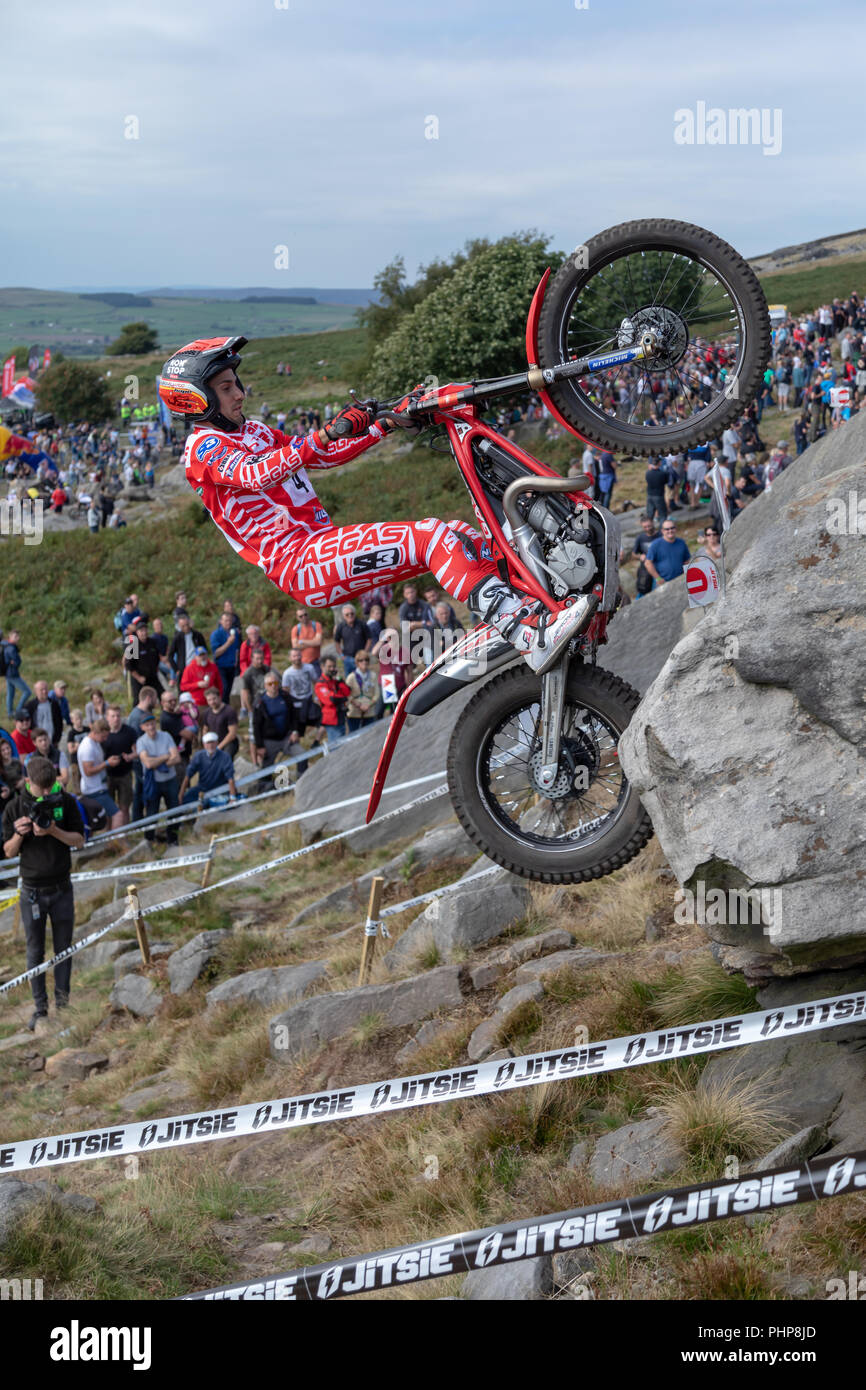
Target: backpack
(118, 620)
(95, 817)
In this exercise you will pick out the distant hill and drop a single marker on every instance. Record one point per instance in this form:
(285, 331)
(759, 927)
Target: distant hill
(339, 296)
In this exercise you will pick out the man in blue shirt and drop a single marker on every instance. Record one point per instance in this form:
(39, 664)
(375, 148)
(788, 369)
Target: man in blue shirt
(668, 555)
(225, 643)
(214, 768)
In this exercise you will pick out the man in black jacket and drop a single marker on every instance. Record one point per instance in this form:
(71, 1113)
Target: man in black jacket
(275, 723)
(184, 643)
(42, 823)
(141, 658)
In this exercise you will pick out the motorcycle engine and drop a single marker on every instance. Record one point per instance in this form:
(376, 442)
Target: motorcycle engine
(567, 545)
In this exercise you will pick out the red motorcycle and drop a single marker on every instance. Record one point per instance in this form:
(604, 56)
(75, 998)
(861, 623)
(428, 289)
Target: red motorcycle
(651, 338)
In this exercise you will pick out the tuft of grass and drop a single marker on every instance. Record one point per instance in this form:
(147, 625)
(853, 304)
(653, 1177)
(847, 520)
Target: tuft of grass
(224, 1051)
(733, 1115)
(430, 957)
(368, 1029)
(702, 991)
(725, 1275)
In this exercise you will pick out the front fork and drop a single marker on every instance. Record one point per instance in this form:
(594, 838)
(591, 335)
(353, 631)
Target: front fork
(552, 704)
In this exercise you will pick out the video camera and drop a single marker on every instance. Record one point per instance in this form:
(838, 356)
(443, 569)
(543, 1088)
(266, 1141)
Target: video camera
(45, 810)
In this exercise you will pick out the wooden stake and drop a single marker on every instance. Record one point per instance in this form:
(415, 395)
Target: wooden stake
(140, 928)
(206, 875)
(371, 928)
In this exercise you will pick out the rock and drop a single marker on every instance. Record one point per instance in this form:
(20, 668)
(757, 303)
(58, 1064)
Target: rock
(279, 984)
(487, 1035)
(133, 960)
(106, 950)
(526, 1281)
(635, 1154)
(583, 958)
(269, 1251)
(427, 1033)
(312, 1245)
(138, 994)
(580, 1153)
(483, 976)
(570, 1265)
(36, 1063)
(643, 635)
(75, 1064)
(133, 493)
(152, 889)
(192, 959)
(542, 945)
(464, 919)
(169, 1094)
(765, 792)
(17, 1198)
(440, 845)
(313, 1021)
(793, 1150)
(501, 1055)
(656, 923)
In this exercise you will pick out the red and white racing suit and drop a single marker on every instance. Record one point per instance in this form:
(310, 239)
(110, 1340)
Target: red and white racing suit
(255, 485)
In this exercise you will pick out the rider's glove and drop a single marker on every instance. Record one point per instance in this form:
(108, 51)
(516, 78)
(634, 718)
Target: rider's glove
(351, 422)
(395, 418)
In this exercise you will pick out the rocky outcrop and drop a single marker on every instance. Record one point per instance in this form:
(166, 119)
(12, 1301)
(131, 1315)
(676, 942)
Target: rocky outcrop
(280, 984)
(138, 994)
(748, 749)
(192, 959)
(327, 1016)
(636, 1154)
(17, 1198)
(487, 1036)
(463, 920)
(526, 1281)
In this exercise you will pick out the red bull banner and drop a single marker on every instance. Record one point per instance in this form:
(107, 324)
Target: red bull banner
(8, 375)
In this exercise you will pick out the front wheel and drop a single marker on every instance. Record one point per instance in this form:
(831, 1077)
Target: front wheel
(591, 821)
(709, 317)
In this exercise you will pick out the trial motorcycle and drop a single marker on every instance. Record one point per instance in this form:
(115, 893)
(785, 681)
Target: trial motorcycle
(652, 337)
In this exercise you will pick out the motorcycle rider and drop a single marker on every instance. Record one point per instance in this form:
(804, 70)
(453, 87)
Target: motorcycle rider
(253, 480)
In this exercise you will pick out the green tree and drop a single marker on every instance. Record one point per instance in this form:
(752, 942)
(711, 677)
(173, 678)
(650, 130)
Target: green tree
(633, 282)
(74, 391)
(397, 297)
(135, 338)
(21, 353)
(473, 323)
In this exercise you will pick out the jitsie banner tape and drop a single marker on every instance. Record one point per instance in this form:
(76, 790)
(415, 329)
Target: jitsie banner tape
(403, 1093)
(548, 1235)
(130, 870)
(64, 955)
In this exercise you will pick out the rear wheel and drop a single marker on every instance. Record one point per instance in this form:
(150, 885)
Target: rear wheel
(591, 821)
(697, 295)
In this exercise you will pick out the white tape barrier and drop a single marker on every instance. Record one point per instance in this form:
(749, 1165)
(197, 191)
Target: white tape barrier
(334, 806)
(432, 1088)
(237, 878)
(580, 1228)
(64, 955)
(154, 866)
(438, 892)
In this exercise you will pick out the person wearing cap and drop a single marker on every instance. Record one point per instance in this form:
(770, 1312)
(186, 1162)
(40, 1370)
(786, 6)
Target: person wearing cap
(159, 758)
(200, 675)
(212, 767)
(58, 695)
(148, 699)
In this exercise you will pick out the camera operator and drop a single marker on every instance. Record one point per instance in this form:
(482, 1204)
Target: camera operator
(42, 823)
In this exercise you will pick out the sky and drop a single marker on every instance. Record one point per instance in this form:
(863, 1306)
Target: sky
(306, 125)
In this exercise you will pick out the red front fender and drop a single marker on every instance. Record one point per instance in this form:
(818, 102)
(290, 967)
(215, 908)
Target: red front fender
(532, 353)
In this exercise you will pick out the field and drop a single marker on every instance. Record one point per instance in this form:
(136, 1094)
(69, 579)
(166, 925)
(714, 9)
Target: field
(85, 327)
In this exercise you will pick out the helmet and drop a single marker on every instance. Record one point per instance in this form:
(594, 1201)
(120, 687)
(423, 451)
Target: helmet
(183, 383)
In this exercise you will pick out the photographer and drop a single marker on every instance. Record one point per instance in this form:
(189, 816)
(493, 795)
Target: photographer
(42, 823)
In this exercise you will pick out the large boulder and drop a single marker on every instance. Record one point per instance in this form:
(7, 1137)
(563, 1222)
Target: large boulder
(136, 993)
(636, 1154)
(462, 920)
(313, 1021)
(279, 984)
(748, 749)
(192, 959)
(525, 1281)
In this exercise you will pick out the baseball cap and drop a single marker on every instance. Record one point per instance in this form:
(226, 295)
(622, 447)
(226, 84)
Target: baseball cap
(148, 718)
(210, 737)
(201, 651)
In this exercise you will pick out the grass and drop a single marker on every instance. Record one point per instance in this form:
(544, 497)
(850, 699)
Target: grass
(702, 991)
(733, 1116)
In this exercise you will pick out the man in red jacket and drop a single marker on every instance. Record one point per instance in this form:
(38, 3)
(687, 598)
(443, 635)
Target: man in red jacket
(332, 694)
(200, 676)
(254, 482)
